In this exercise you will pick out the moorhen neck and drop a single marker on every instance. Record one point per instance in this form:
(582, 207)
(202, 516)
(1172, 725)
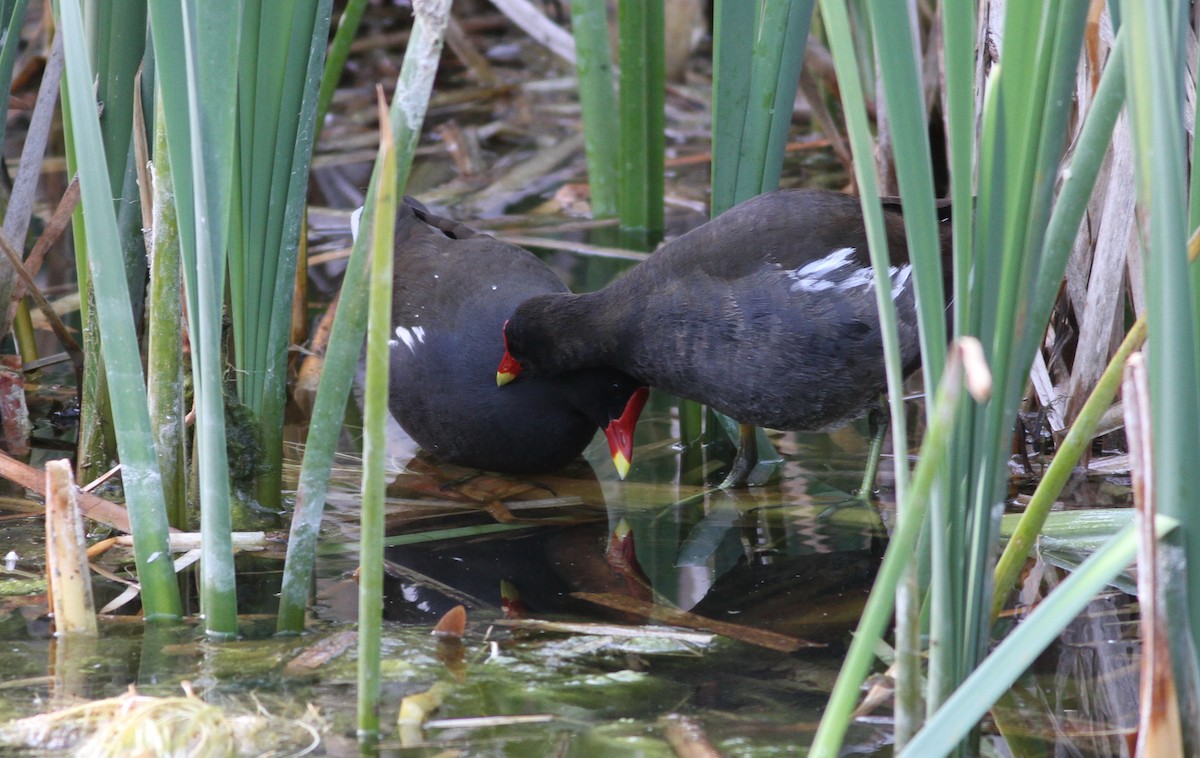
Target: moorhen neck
(766, 313)
(453, 289)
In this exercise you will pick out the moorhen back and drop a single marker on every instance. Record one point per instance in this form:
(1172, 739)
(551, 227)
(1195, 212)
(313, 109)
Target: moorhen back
(766, 313)
(453, 289)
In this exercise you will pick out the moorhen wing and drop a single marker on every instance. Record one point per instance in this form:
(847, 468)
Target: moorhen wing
(453, 289)
(766, 313)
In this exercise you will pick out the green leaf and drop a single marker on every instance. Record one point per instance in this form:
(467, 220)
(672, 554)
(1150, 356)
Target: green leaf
(122, 358)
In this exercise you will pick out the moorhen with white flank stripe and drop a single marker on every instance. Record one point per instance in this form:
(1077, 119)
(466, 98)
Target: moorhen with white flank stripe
(766, 313)
(453, 289)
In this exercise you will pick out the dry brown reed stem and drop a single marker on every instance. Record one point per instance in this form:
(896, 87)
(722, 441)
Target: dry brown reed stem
(1159, 728)
(67, 575)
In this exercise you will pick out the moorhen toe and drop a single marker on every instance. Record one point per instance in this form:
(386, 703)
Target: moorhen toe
(766, 313)
(454, 288)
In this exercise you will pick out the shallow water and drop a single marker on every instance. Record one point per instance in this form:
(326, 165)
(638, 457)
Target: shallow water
(768, 568)
(773, 578)
(779, 564)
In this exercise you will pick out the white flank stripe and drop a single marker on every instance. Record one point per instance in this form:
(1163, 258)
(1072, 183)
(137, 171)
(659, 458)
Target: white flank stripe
(406, 337)
(838, 259)
(837, 271)
(899, 282)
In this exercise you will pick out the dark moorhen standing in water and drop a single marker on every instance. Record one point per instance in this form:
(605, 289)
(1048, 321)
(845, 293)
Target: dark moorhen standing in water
(766, 313)
(454, 287)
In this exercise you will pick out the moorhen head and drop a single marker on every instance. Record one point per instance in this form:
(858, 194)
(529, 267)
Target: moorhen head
(453, 289)
(766, 313)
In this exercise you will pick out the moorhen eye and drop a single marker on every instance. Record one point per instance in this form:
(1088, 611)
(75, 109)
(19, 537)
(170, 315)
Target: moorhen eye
(766, 313)
(453, 290)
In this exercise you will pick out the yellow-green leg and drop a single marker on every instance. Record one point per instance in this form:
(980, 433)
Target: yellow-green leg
(878, 421)
(746, 458)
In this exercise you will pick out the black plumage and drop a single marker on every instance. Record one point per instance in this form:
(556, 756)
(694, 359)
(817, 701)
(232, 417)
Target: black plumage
(453, 290)
(766, 313)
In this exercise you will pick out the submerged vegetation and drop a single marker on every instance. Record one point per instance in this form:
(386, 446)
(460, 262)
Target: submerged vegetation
(1057, 131)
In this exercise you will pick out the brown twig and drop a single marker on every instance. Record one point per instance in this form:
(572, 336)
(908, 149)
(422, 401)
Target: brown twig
(53, 232)
(687, 737)
(60, 329)
(740, 632)
(93, 507)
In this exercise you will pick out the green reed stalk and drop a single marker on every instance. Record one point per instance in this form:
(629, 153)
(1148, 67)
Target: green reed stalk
(899, 62)
(757, 58)
(776, 58)
(335, 61)
(12, 21)
(407, 116)
(593, 66)
(833, 726)
(1024, 133)
(1155, 77)
(337, 375)
(733, 25)
(958, 20)
(160, 594)
(116, 43)
(1078, 439)
(935, 451)
(906, 112)
(197, 83)
(1020, 147)
(116, 53)
(1078, 182)
(1019, 650)
(757, 55)
(1071, 203)
(164, 353)
(281, 62)
(837, 24)
(642, 118)
(375, 414)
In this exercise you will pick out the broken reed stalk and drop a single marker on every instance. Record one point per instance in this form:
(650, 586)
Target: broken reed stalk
(67, 574)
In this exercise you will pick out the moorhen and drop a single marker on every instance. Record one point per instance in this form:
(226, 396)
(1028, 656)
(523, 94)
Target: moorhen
(453, 289)
(766, 313)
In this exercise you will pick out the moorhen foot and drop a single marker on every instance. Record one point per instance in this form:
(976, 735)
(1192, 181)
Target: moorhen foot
(766, 313)
(453, 289)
